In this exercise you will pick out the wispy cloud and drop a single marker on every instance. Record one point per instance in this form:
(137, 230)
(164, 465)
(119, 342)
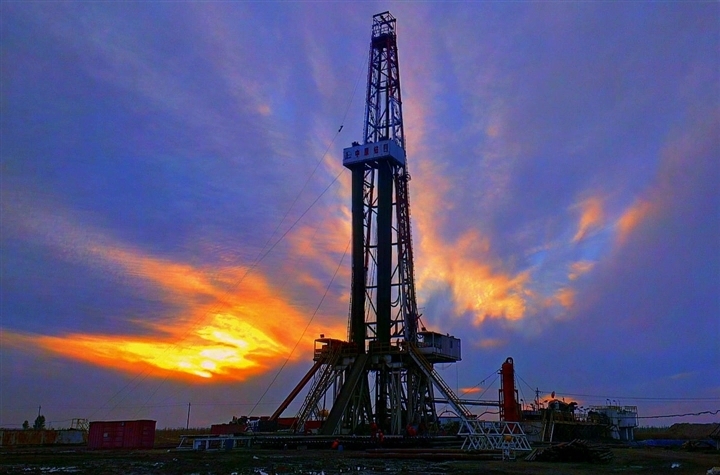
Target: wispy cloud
(471, 390)
(579, 268)
(232, 323)
(565, 297)
(487, 343)
(591, 217)
(630, 219)
(684, 375)
(564, 179)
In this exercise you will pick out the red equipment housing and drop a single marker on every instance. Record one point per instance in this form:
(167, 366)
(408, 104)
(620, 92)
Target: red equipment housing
(509, 407)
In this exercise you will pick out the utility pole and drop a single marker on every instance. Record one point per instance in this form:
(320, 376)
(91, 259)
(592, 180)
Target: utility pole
(187, 425)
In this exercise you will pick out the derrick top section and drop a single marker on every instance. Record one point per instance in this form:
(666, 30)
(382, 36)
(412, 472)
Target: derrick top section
(383, 29)
(383, 136)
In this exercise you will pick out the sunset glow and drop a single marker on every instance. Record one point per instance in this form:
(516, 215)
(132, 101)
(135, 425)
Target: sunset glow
(234, 324)
(176, 216)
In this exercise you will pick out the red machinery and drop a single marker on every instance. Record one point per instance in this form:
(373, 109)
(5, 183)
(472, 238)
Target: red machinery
(509, 407)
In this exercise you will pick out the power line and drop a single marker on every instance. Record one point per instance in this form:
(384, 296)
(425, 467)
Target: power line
(637, 398)
(141, 376)
(701, 413)
(302, 335)
(263, 253)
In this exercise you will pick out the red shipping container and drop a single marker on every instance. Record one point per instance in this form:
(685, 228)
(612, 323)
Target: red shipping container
(138, 434)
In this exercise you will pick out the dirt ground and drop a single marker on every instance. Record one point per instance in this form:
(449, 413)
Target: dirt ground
(306, 462)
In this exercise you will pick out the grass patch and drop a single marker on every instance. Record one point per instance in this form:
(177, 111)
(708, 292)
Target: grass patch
(650, 432)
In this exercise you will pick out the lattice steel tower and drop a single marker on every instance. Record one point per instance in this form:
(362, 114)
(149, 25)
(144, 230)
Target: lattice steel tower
(383, 373)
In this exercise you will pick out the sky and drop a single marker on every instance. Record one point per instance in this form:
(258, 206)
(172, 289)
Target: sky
(175, 217)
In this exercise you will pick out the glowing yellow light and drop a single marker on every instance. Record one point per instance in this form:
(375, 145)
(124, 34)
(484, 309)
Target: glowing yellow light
(208, 365)
(225, 331)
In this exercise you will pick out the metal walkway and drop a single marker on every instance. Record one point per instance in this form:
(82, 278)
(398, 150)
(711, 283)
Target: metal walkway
(506, 437)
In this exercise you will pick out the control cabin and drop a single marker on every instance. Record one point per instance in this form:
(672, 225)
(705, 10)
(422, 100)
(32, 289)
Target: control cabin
(622, 420)
(327, 347)
(438, 348)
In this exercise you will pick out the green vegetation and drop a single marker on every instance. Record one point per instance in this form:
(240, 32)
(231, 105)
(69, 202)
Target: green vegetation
(681, 431)
(39, 422)
(652, 432)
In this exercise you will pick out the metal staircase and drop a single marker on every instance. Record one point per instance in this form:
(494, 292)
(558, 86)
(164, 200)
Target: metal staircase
(357, 371)
(435, 377)
(319, 387)
(506, 437)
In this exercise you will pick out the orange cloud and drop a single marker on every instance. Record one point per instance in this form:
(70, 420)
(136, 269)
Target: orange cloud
(493, 130)
(476, 287)
(491, 343)
(472, 390)
(207, 353)
(324, 242)
(579, 268)
(592, 216)
(631, 218)
(232, 324)
(465, 265)
(264, 109)
(236, 324)
(565, 297)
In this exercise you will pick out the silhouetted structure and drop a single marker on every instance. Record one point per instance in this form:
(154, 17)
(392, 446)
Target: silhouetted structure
(382, 378)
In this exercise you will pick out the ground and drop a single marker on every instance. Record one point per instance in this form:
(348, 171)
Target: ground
(252, 461)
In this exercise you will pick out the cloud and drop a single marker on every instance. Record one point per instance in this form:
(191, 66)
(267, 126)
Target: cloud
(591, 217)
(579, 268)
(476, 287)
(230, 322)
(684, 375)
(487, 343)
(471, 390)
(564, 164)
(630, 219)
(234, 324)
(565, 297)
(226, 348)
(463, 264)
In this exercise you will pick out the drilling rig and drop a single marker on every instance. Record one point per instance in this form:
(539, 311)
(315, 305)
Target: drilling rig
(382, 376)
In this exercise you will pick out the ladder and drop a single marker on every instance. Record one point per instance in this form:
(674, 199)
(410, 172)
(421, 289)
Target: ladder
(347, 391)
(506, 437)
(435, 377)
(319, 387)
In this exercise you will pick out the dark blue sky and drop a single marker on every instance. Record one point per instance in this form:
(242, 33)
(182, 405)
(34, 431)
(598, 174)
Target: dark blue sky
(174, 206)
